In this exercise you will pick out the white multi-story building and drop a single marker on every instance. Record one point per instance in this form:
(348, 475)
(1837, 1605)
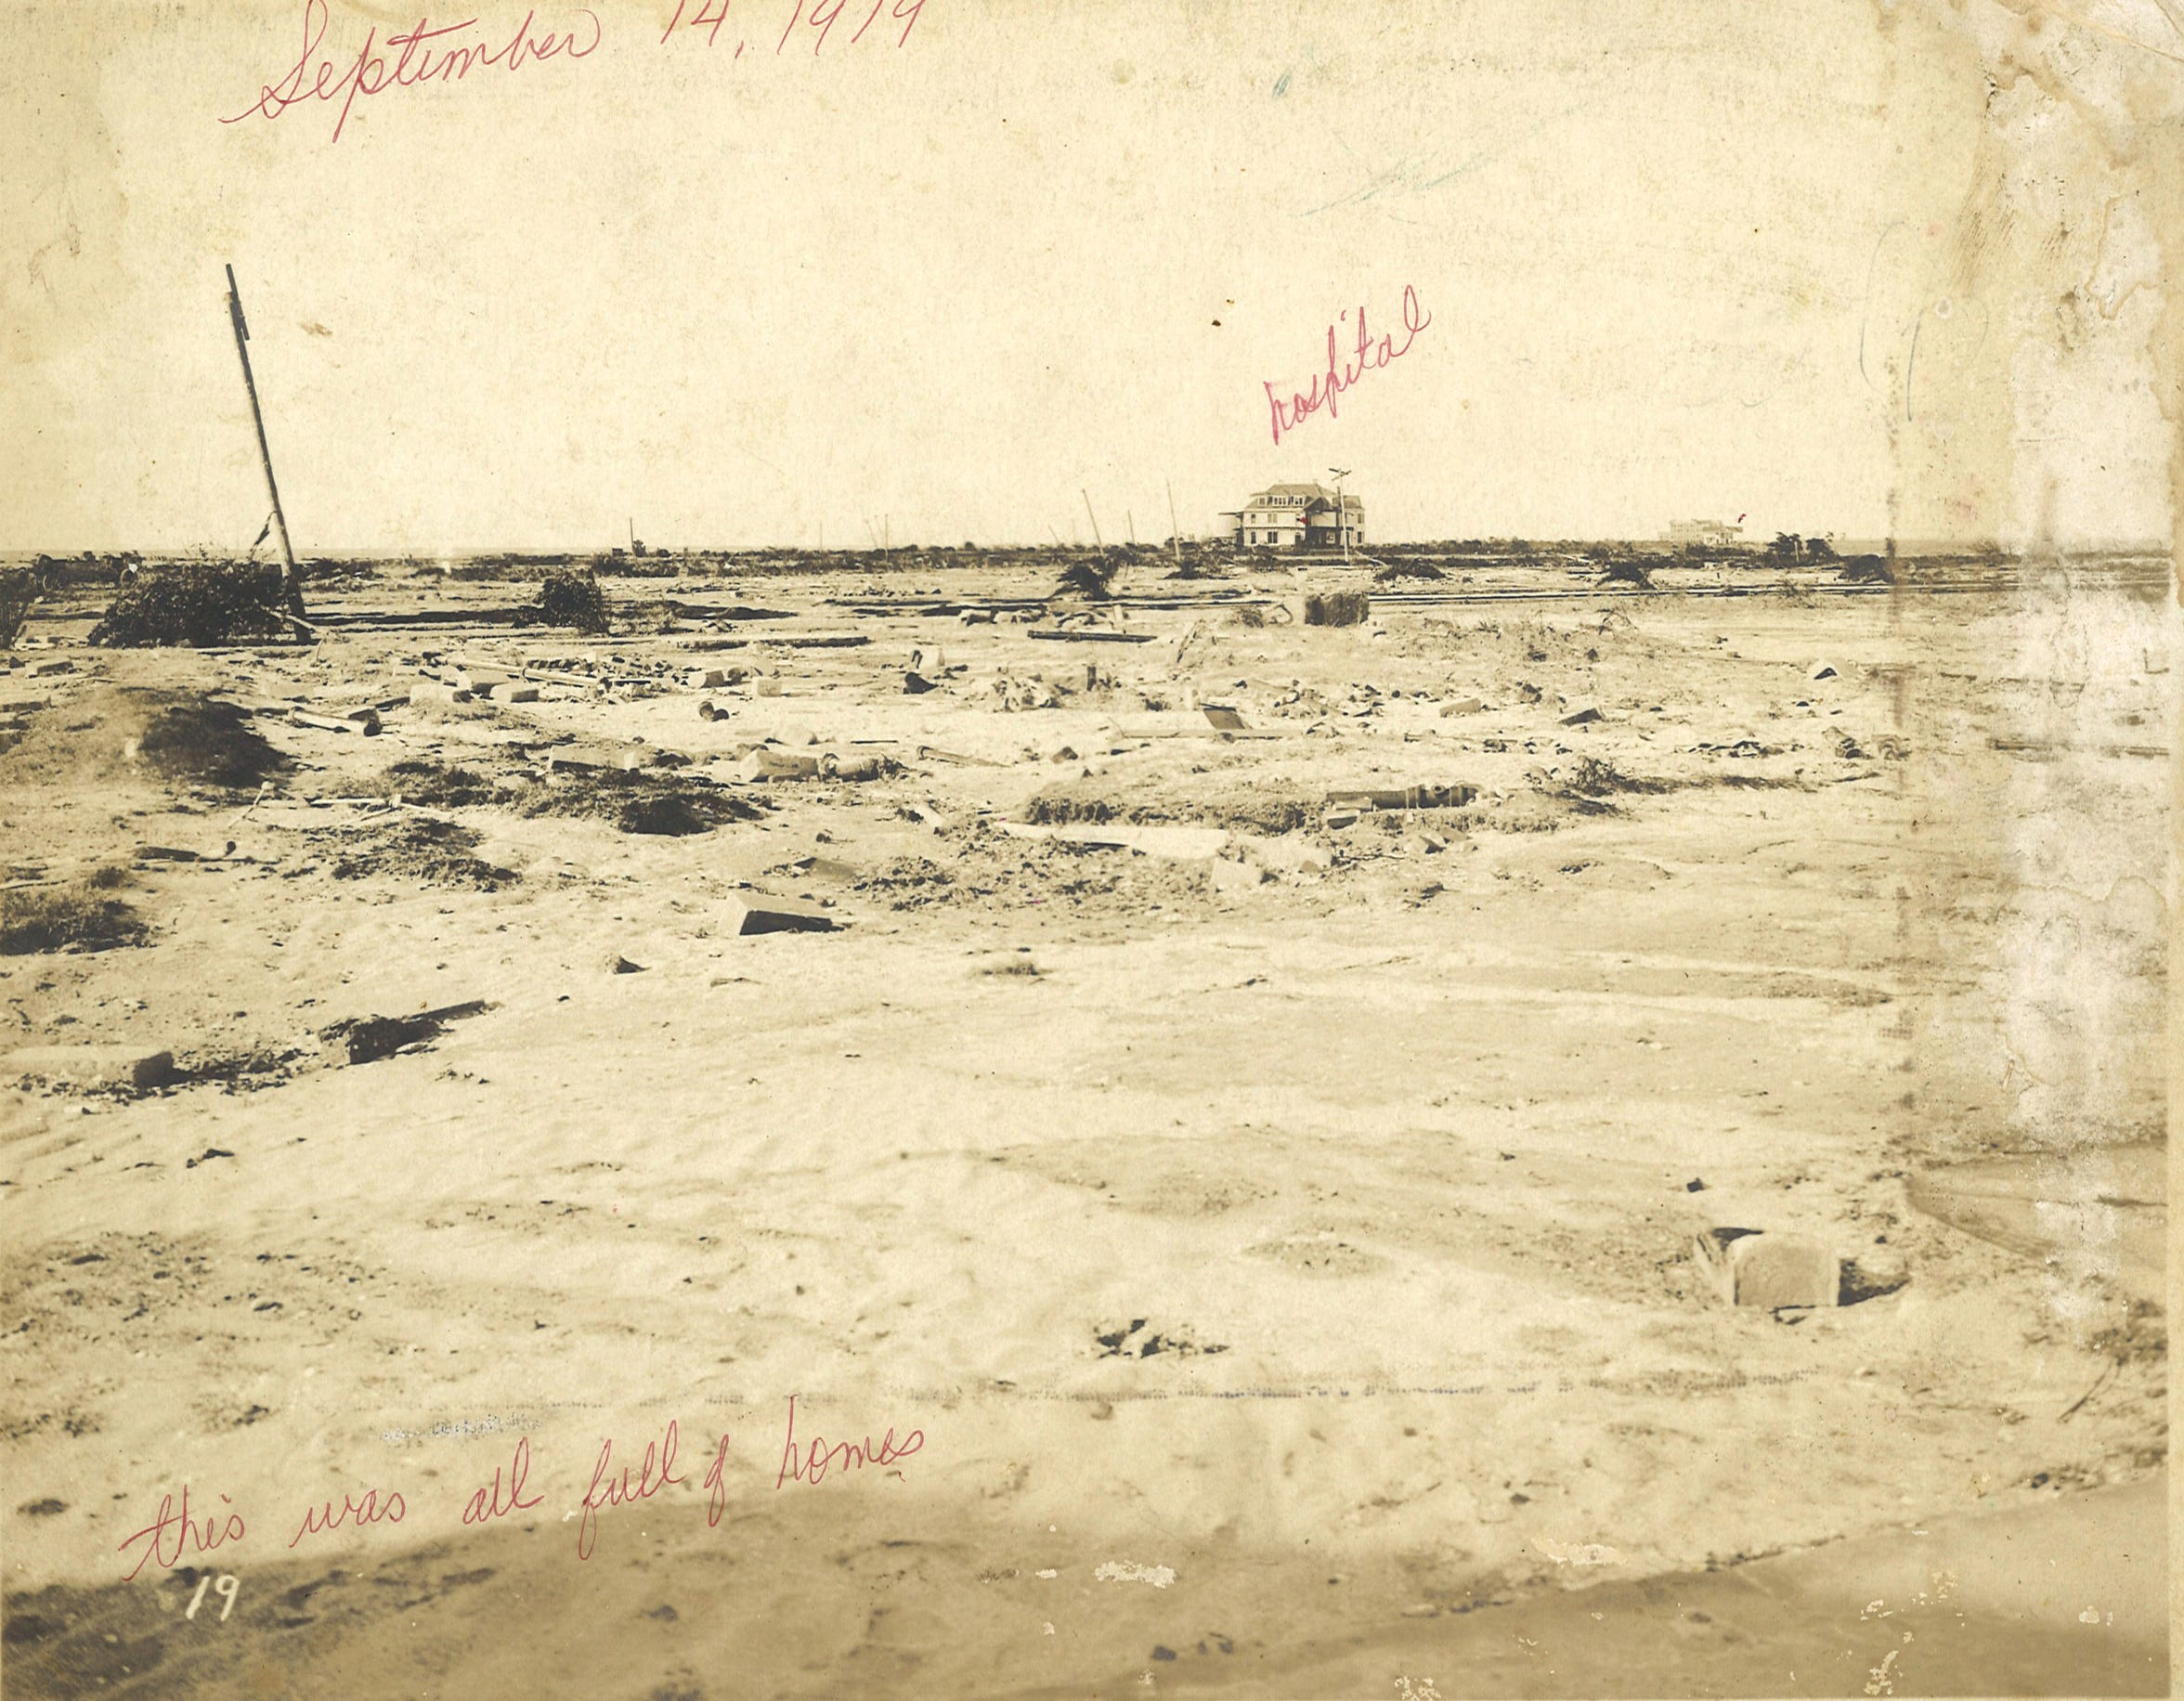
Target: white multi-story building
(1299, 516)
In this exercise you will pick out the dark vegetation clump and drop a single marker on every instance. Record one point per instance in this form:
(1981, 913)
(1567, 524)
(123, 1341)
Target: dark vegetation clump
(43, 918)
(210, 741)
(1337, 608)
(194, 603)
(671, 805)
(1869, 570)
(19, 589)
(571, 597)
(432, 853)
(1091, 577)
(1593, 778)
(1627, 572)
(1397, 570)
(436, 786)
(668, 805)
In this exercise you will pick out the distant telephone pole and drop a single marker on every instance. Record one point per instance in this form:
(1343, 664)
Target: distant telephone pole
(291, 588)
(1093, 518)
(1174, 536)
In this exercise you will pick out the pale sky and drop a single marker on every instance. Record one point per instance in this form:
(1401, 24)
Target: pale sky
(1682, 261)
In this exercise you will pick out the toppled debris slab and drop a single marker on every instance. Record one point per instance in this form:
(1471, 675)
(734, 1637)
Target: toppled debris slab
(132, 1067)
(1771, 1272)
(749, 913)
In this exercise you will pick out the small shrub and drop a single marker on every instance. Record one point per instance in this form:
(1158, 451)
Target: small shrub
(1627, 573)
(19, 589)
(570, 596)
(43, 918)
(1593, 778)
(1396, 570)
(194, 603)
(1092, 579)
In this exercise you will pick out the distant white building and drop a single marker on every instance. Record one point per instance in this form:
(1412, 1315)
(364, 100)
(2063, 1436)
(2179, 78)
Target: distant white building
(1299, 516)
(1712, 533)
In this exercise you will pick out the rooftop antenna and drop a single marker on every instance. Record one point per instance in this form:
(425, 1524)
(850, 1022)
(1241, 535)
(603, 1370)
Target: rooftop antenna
(1342, 512)
(291, 587)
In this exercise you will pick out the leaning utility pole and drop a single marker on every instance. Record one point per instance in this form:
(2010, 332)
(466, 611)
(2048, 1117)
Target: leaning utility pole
(1342, 511)
(1093, 518)
(1174, 536)
(292, 590)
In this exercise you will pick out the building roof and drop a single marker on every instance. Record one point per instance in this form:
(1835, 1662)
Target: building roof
(1319, 494)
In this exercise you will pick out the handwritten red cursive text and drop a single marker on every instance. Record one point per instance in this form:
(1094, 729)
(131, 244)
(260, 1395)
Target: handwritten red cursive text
(173, 1523)
(717, 1484)
(1340, 375)
(712, 14)
(611, 1492)
(422, 53)
(486, 1504)
(843, 1455)
(372, 1509)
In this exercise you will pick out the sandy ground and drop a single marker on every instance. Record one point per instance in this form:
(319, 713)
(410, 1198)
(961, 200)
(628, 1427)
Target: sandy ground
(1287, 1283)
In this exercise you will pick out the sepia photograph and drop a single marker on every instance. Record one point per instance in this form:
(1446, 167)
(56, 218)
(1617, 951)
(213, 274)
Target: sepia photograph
(965, 849)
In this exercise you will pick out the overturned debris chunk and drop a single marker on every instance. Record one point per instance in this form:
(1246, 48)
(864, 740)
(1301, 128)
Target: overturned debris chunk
(1338, 608)
(362, 720)
(760, 912)
(766, 764)
(1774, 1272)
(1403, 797)
(96, 1066)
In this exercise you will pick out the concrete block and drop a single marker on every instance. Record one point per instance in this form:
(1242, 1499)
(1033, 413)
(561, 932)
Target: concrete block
(772, 764)
(431, 690)
(130, 1065)
(1460, 706)
(514, 691)
(1773, 1272)
(759, 913)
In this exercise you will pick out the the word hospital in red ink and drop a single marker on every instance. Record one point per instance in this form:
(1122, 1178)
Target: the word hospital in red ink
(423, 53)
(1340, 374)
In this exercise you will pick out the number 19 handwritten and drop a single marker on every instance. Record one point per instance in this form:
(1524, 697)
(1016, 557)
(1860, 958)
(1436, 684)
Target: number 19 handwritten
(824, 14)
